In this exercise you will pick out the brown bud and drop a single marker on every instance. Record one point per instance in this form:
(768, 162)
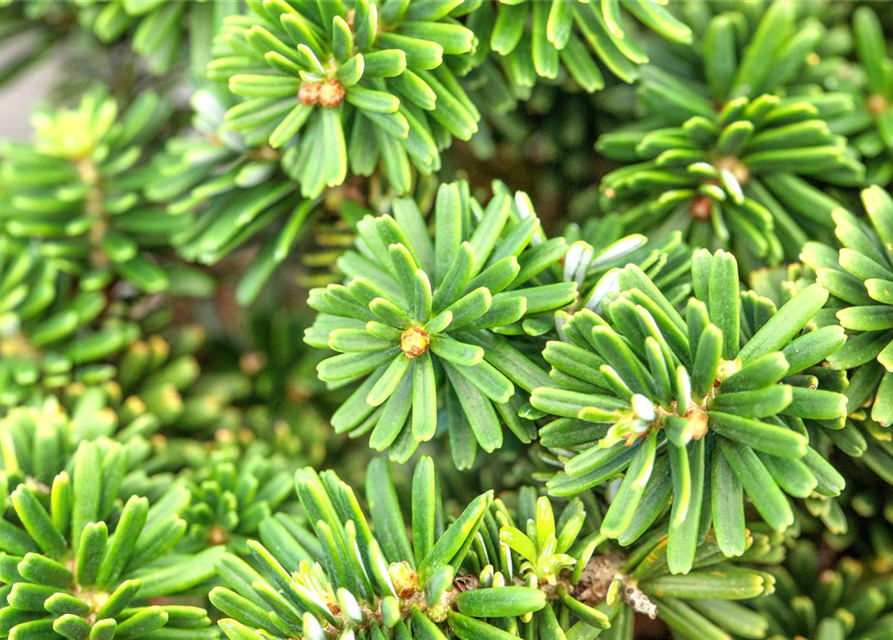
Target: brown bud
(698, 418)
(218, 536)
(700, 207)
(414, 342)
(331, 94)
(877, 104)
(309, 93)
(405, 580)
(252, 362)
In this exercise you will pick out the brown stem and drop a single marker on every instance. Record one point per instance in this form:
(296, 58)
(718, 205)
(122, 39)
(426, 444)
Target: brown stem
(94, 209)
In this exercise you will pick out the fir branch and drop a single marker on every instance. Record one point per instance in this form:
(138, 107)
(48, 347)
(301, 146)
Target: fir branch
(844, 601)
(417, 307)
(370, 79)
(75, 191)
(725, 155)
(73, 570)
(643, 391)
(478, 578)
(861, 278)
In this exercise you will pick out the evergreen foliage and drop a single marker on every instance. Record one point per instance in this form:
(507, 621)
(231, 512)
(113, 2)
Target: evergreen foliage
(385, 61)
(219, 180)
(418, 307)
(849, 601)
(860, 276)
(725, 153)
(67, 571)
(342, 578)
(622, 390)
(77, 188)
(868, 125)
(537, 39)
(592, 299)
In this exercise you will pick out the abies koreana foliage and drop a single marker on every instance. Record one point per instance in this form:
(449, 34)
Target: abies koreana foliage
(76, 188)
(731, 148)
(732, 375)
(386, 63)
(75, 559)
(850, 601)
(860, 278)
(416, 308)
(475, 577)
(447, 320)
